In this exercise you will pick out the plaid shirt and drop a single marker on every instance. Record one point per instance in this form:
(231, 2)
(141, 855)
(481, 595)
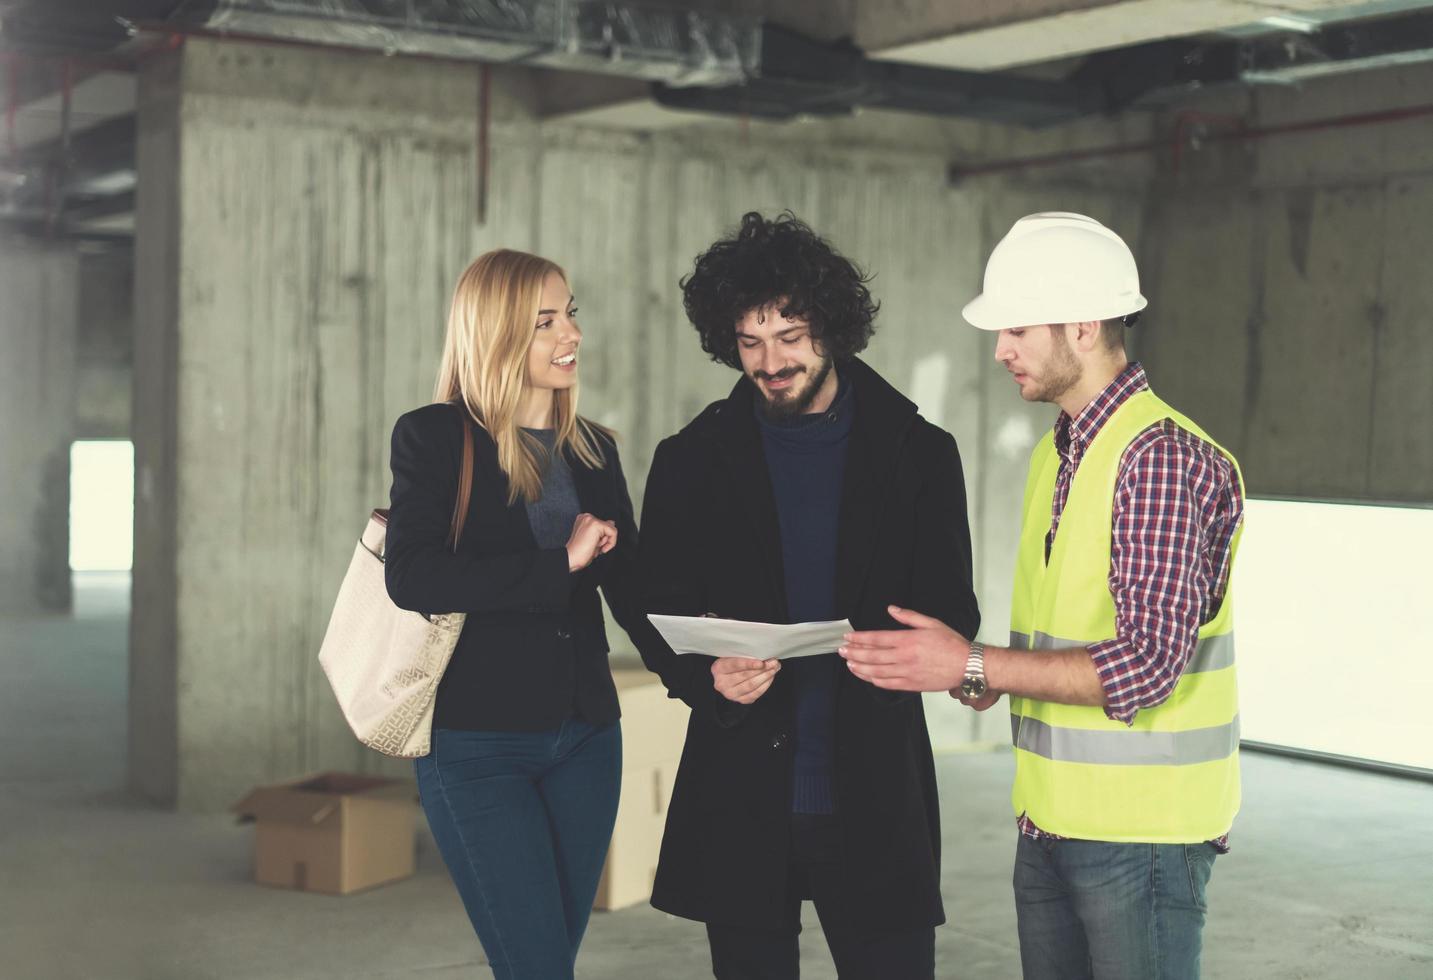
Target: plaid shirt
(1176, 507)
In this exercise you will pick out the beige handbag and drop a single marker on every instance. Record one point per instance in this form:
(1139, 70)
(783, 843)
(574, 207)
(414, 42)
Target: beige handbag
(384, 663)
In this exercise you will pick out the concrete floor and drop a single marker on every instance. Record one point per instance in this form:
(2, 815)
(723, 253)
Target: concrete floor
(1331, 876)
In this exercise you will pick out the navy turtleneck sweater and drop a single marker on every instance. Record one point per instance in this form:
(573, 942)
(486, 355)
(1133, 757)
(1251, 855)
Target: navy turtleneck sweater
(806, 457)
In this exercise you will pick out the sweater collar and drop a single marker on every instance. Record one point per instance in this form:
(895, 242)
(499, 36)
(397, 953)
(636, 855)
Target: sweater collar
(816, 429)
(883, 408)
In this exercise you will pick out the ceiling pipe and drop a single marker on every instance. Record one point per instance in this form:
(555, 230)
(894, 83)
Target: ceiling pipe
(616, 37)
(1185, 125)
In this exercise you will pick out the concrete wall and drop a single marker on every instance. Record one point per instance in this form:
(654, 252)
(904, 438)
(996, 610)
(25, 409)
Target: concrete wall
(302, 219)
(1290, 295)
(38, 287)
(892, 211)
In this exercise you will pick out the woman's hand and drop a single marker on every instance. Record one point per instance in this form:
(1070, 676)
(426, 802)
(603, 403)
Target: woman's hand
(591, 536)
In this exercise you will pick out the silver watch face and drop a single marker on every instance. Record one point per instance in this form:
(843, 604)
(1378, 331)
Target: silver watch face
(973, 687)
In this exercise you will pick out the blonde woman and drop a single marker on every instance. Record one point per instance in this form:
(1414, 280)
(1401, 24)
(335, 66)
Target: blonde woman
(520, 788)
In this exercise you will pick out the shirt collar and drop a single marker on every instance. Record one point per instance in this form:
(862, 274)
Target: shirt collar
(1080, 431)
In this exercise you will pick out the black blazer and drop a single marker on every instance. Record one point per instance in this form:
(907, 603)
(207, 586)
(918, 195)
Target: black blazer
(711, 542)
(533, 652)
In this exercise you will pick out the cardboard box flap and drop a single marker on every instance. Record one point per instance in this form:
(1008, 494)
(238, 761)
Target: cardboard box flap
(352, 784)
(286, 804)
(397, 790)
(312, 799)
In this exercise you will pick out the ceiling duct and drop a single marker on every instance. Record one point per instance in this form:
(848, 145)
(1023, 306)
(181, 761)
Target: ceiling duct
(675, 47)
(801, 76)
(43, 181)
(1165, 72)
(1338, 48)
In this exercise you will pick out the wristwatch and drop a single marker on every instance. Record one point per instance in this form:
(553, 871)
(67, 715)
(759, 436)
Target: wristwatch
(973, 686)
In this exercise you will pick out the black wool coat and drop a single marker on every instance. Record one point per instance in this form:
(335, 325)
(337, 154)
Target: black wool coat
(533, 651)
(711, 544)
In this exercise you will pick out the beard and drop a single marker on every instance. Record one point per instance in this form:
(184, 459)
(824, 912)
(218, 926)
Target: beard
(1061, 374)
(780, 406)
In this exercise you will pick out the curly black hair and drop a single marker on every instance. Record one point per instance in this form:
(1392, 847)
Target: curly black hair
(778, 261)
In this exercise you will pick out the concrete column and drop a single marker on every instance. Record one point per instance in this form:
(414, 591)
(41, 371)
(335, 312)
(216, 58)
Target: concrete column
(302, 218)
(38, 286)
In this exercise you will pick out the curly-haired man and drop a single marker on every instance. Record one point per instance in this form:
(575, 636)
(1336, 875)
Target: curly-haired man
(813, 492)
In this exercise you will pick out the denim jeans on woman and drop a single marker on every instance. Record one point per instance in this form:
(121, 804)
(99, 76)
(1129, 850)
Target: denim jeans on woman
(523, 820)
(1090, 910)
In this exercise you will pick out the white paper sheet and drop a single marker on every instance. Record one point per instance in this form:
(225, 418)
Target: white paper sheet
(735, 638)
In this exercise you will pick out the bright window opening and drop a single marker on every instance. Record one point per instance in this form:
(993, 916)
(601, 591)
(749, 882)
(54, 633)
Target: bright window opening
(101, 506)
(1330, 610)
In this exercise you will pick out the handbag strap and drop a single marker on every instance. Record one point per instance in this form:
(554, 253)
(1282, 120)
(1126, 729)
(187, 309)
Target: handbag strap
(465, 479)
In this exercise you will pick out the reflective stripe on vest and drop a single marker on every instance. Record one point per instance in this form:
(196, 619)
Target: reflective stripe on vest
(1210, 653)
(1126, 748)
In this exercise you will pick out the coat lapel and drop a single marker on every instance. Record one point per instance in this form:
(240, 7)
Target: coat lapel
(738, 445)
(882, 418)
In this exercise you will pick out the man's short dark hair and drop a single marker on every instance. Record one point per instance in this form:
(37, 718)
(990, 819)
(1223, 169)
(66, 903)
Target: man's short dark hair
(784, 261)
(1112, 331)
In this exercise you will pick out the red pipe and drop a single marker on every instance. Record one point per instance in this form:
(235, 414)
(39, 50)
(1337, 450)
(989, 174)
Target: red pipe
(1183, 121)
(1053, 159)
(78, 68)
(177, 32)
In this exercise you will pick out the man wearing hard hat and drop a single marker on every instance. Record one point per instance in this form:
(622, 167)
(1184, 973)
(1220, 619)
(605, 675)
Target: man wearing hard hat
(1120, 669)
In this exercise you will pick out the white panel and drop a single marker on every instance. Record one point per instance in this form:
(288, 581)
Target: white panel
(1328, 598)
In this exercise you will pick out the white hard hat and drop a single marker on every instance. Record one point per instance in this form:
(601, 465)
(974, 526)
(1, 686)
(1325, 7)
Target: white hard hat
(1056, 267)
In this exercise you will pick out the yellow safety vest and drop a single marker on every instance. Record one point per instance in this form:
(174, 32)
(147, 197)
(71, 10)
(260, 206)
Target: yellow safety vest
(1171, 778)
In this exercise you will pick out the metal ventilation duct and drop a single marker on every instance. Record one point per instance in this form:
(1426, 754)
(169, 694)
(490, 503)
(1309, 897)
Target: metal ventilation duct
(675, 47)
(801, 76)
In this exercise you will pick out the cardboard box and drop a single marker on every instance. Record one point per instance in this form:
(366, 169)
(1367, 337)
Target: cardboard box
(333, 833)
(654, 727)
(637, 839)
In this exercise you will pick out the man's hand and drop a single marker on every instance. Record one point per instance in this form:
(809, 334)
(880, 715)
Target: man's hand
(928, 657)
(743, 679)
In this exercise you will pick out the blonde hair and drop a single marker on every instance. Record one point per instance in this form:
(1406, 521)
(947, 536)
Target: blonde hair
(490, 328)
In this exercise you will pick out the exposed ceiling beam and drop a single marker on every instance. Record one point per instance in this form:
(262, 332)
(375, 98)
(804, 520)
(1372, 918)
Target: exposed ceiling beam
(799, 76)
(97, 209)
(1001, 34)
(77, 27)
(994, 35)
(92, 153)
(1163, 71)
(94, 99)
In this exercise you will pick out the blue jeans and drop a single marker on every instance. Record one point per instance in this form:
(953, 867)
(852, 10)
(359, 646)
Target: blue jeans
(1090, 910)
(523, 820)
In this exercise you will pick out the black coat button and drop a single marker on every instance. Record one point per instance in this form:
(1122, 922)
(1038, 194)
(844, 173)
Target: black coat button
(564, 635)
